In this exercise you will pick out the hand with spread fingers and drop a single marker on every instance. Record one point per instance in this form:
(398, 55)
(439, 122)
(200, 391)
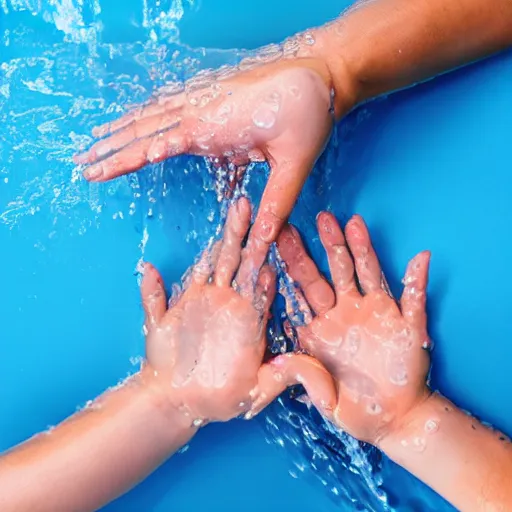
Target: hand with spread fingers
(373, 347)
(207, 349)
(280, 112)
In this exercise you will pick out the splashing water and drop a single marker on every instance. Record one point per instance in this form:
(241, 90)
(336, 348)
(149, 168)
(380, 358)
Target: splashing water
(59, 77)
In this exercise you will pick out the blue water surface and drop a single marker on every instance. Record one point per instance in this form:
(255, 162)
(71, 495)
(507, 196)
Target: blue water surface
(428, 168)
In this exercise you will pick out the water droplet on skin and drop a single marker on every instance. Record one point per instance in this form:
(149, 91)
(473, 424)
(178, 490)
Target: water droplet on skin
(184, 410)
(278, 376)
(399, 377)
(309, 39)
(241, 404)
(431, 426)
(255, 155)
(353, 340)
(198, 422)
(373, 409)
(404, 443)
(419, 444)
(264, 118)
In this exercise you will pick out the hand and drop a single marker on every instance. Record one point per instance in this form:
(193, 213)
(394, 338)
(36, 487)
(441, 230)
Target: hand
(373, 347)
(206, 351)
(279, 112)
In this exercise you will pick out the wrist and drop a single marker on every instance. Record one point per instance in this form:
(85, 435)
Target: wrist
(319, 44)
(171, 420)
(413, 428)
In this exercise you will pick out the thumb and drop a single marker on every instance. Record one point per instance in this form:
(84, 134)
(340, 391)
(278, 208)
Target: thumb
(290, 369)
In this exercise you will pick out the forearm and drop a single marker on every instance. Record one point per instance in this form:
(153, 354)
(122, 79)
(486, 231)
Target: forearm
(467, 463)
(95, 455)
(385, 45)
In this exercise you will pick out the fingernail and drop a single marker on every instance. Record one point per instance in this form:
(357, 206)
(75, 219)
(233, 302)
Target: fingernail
(325, 222)
(93, 173)
(267, 232)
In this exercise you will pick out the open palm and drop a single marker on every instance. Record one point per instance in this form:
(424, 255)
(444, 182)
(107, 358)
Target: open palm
(374, 349)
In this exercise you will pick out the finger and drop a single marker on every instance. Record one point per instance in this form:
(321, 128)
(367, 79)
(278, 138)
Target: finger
(159, 105)
(153, 296)
(341, 264)
(303, 270)
(297, 308)
(137, 129)
(290, 369)
(137, 154)
(203, 269)
(283, 188)
(385, 285)
(414, 296)
(366, 262)
(237, 224)
(265, 290)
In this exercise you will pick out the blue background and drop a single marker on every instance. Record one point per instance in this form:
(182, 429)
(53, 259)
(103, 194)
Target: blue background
(428, 168)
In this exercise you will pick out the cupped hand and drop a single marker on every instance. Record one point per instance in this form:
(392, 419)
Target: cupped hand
(375, 349)
(280, 112)
(206, 350)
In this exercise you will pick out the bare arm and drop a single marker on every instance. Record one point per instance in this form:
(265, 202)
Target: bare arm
(467, 463)
(96, 455)
(378, 352)
(204, 363)
(279, 111)
(385, 45)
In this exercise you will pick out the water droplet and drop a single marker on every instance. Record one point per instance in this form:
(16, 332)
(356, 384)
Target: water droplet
(399, 378)
(353, 340)
(184, 410)
(265, 115)
(309, 38)
(255, 155)
(242, 404)
(183, 449)
(419, 444)
(373, 409)
(278, 376)
(198, 422)
(264, 118)
(431, 426)
(407, 280)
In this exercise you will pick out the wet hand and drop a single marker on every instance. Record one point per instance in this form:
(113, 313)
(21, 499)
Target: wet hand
(279, 112)
(375, 349)
(206, 350)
